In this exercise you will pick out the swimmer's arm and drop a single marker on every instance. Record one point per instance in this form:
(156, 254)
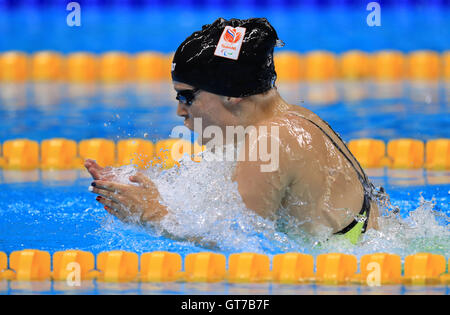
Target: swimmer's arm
(138, 204)
(260, 190)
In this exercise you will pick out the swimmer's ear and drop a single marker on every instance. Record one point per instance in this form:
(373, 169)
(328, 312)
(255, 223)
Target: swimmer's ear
(231, 101)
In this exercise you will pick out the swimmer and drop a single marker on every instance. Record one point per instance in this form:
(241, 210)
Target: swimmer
(225, 75)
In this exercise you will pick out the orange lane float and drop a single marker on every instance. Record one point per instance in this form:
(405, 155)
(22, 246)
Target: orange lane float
(380, 269)
(289, 66)
(405, 153)
(101, 150)
(72, 262)
(30, 265)
(115, 67)
(20, 154)
(205, 267)
(248, 267)
(160, 266)
(424, 268)
(138, 152)
(438, 154)
(14, 66)
(320, 66)
(47, 66)
(58, 153)
(335, 268)
(292, 268)
(424, 65)
(354, 65)
(149, 66)
(370, 153)
(387, 65)
(117, 266)
(81, 67)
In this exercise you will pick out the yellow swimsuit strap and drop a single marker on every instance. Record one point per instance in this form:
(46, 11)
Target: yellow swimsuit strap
(359, 224)
(357, 230)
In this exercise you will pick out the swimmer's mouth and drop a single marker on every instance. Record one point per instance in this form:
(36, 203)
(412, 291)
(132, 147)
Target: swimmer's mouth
(186, 118)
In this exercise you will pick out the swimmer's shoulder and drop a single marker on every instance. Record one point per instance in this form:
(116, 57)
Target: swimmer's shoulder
(295, 133)
(296, 122)
(288, 116)
(301, 113)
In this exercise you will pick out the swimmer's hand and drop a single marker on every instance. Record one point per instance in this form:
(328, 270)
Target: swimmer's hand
(130, 203)
(98, 172)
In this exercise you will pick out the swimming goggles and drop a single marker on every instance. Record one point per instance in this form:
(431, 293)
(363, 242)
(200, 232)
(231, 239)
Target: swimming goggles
(187, 96)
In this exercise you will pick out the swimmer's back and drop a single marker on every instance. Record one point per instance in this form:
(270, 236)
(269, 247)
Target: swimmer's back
(326, 189)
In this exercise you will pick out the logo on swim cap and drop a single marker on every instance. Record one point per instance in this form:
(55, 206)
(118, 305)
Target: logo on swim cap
(232, 36)
(230, 42)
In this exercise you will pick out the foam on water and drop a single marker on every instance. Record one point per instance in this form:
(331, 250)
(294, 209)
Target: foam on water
(205, 209)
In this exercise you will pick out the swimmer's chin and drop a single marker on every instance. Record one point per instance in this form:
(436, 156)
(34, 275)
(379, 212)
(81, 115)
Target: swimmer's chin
(188, 124)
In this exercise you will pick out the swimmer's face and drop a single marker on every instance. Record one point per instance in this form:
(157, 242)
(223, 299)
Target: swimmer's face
(212, 108)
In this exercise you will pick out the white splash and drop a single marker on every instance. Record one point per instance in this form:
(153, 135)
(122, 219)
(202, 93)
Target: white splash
(205, 208)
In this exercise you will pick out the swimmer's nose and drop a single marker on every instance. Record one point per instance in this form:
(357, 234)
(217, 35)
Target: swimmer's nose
(182, 110)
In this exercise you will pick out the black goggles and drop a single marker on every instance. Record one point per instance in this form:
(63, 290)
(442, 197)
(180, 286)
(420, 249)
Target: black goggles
(187, 96)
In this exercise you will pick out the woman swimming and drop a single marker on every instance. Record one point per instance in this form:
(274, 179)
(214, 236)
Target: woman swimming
(224, 75)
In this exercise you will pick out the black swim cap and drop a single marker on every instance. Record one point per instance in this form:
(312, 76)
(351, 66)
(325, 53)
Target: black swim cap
(223, 68)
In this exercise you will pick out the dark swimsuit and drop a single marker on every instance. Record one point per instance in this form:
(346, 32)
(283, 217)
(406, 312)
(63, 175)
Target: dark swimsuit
(367, 186)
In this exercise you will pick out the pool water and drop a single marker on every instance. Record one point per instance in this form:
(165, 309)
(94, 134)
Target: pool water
(54, 211)
(54, 214)
(332, 27)
(384, 111)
